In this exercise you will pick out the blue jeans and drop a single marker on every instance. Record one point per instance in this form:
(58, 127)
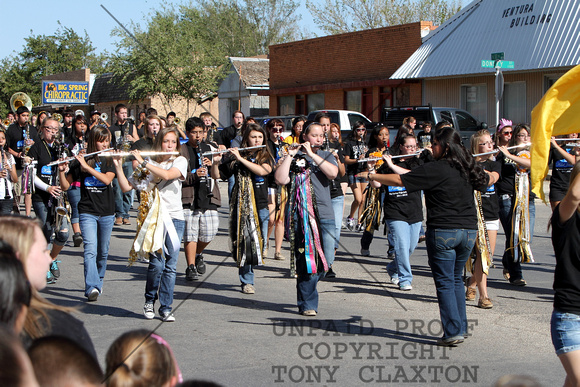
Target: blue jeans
(246, 272)
(337, 208)
(61, 235)
(565, 330)
(448, 250)
(306, 283)
(123, 201)
(505, 217)
(161, 273)
(96, 232)
(231, 182)
(405, 238)
(74, 197)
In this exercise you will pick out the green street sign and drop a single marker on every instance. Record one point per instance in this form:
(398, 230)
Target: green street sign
(502, 64)
(488, 64)
(505, 64)
(497, 56)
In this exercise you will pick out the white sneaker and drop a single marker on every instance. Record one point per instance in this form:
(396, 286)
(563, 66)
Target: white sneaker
(93, 294)
(350, 224)
(148, 311)
(248, 289)
(168, 317)
(405, 287)
(395, 280)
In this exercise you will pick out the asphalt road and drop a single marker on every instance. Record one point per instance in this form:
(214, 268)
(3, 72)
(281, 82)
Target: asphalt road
(367, 332)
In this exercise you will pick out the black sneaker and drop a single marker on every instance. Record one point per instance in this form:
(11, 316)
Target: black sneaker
(54, 269)
(330, 273)
(191, 273)
(77, 239)
(200, 264)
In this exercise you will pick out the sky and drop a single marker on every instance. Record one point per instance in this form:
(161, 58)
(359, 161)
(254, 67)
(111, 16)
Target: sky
(41, 16)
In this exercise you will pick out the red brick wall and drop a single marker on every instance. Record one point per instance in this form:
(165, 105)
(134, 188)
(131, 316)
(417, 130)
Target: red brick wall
(362, 55)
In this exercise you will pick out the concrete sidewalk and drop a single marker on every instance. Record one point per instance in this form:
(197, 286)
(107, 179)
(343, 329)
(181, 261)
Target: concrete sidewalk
(366, 331)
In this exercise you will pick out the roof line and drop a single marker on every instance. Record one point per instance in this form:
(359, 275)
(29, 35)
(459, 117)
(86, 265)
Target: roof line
(444, 39)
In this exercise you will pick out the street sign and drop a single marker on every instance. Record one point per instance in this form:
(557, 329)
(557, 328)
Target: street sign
(497, 56)
(505, 64)
(488, 64)
(502, 64)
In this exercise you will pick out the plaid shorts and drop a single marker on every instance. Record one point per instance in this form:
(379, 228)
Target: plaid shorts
(200, 226)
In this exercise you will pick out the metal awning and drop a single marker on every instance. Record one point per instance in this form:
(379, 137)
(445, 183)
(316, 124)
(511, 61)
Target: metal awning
(534, 35)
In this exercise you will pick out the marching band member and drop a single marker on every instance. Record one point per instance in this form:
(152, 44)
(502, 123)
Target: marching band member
(249, 204)
(309, 217)
(8, 176)
(96, 206)
(516, 206)
(48, 195)
(164, 219)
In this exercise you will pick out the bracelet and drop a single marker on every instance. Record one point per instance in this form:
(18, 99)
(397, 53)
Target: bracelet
(144, 164)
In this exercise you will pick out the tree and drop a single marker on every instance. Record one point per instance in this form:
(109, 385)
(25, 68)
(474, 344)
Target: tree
(42, 55)
(339, 16)
(169, 59)
(245, 27)
(182, 53)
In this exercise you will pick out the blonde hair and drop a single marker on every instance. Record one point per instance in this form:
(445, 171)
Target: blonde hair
(18, 232)
(140, 358)
(158, 142)
(475, 139)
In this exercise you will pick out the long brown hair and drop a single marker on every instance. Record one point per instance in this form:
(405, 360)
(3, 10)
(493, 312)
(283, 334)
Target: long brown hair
(158, 143)
(97, 134)
(263, 155)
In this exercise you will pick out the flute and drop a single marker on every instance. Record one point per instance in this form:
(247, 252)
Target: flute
(143, 154)
(392, 157)
(565, 139)
(58, 162)
(227, 150)
(497, 150)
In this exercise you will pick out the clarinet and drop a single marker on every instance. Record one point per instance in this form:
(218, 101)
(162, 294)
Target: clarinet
(326, 143)
(207, 177)
(5, 166)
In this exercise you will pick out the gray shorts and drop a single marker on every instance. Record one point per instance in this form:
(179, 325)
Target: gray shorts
(200, 226)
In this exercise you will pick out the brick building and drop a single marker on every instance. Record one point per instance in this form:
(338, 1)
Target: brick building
(346, 71)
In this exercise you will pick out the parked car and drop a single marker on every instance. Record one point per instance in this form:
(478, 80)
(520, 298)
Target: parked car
(461, 120)
(345, 119)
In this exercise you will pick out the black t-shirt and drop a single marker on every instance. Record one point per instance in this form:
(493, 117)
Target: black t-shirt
(400, 204)
(507, 182)
(227, 135)
(336, 145)
(448, 195)
(489, 197)
(143, 144)
(566, 243)
(96, 197)
(424, 136)
(260, 183)
(127, 126)
(15, 139)
(561, 170)
(355, 150)
(43, 153)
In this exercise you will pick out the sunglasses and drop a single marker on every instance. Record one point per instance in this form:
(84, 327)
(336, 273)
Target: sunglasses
(276, 130)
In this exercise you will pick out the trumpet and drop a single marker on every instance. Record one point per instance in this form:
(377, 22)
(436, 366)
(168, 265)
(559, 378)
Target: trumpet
(6, 122)
(58, 117)
(177, 120)
(227, 150)
(79, 112)
(67, 159)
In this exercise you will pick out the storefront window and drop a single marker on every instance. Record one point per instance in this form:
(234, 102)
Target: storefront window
(286, 105)
(354, 100)
(514, 101)
(315, 101)
(474, 100)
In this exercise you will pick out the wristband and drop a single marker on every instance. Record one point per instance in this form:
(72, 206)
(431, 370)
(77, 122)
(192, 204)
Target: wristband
(144, 164)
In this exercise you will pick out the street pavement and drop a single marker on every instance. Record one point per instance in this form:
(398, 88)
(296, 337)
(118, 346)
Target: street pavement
(367, 331)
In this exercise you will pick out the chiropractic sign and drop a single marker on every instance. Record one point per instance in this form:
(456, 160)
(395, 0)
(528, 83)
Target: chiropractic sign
(65, 93)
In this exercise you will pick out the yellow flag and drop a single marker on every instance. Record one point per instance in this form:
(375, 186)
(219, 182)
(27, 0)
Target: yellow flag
(556, 114)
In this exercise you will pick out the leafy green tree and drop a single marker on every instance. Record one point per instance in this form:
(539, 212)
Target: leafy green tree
(340, 16)
(42, 55)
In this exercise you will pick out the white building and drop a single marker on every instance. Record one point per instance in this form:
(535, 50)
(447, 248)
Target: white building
(541, 37)
(239, 90)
